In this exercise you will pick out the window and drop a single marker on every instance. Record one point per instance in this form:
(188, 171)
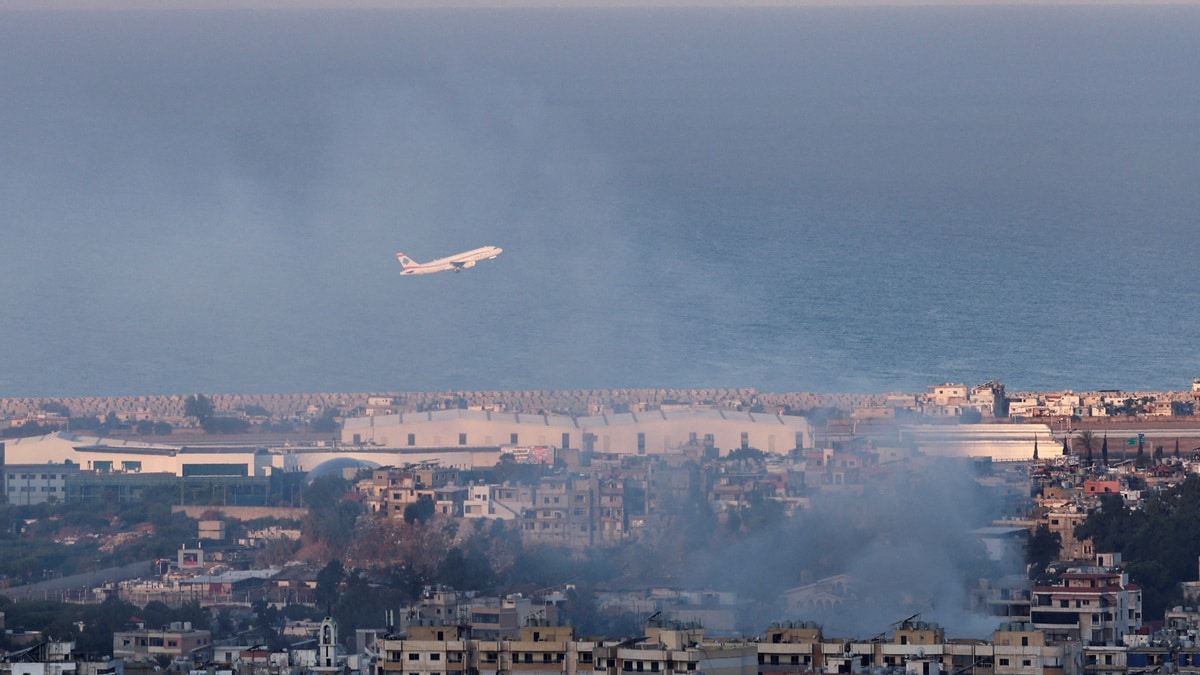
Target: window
(412, 439)
(1024, 640)
(745, 440)
(512, 438)
(1026, 663)
(1004, 662)
(413, 656)
(641, 441)
(462, 439)
(435, 657)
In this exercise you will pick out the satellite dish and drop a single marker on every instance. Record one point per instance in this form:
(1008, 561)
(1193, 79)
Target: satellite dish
(920, 652)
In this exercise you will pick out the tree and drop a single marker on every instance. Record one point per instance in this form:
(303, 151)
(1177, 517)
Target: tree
(198, 406)
(419, 511)
(56, 408)
(1042, 548)
(468, 570)
(326, 423)
(328, 580)
(1085, 441)
(225, 425)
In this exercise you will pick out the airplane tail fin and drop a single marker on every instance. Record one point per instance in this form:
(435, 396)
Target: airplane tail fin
(406, 262)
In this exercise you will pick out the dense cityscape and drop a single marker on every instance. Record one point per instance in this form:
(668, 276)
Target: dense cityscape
(961, 529)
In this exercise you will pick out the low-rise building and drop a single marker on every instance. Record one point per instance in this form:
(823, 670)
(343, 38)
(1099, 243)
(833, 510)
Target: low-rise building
(179, 641)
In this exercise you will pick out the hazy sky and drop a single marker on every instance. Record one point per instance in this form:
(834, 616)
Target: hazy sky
(789, 200)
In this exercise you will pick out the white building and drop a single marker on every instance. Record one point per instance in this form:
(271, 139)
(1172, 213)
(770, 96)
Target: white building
(652, 432)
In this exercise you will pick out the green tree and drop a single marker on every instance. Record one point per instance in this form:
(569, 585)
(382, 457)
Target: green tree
(198, 406)
(467, 571)
(56, 408)
(1085, 444)
(1159, 542)
(1042, 548)
(419, 511)
(327, 423)
(328, 580)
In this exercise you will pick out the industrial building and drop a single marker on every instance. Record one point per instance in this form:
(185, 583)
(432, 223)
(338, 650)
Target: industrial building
(642, 433)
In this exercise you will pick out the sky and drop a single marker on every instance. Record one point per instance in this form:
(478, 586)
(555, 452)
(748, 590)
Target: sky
(770, 199)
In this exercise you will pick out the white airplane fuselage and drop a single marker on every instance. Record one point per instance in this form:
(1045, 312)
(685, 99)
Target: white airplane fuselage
(456, 262)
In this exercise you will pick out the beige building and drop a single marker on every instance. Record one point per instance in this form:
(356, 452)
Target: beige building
(178, 641)
(643, 433)
(1089, 605)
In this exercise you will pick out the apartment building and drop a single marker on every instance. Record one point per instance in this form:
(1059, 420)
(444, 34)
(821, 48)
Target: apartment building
(1091, 605)
(678, 650)
(179, 641)
(390, 490)
(538, 649)
(563, 513)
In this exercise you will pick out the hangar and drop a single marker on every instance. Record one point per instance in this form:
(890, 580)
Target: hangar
(641, 433)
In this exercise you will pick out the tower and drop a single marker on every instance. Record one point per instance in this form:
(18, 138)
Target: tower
(327, 640)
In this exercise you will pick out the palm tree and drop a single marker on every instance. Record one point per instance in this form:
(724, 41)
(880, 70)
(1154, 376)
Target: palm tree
(1086, 441)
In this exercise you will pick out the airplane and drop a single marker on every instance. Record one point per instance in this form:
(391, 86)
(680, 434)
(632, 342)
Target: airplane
(457, 262)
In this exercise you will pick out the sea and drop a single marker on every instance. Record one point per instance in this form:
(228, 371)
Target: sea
(841, 199)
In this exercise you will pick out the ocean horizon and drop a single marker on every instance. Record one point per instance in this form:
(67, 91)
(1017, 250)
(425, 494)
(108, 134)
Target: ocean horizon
(805, 199)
